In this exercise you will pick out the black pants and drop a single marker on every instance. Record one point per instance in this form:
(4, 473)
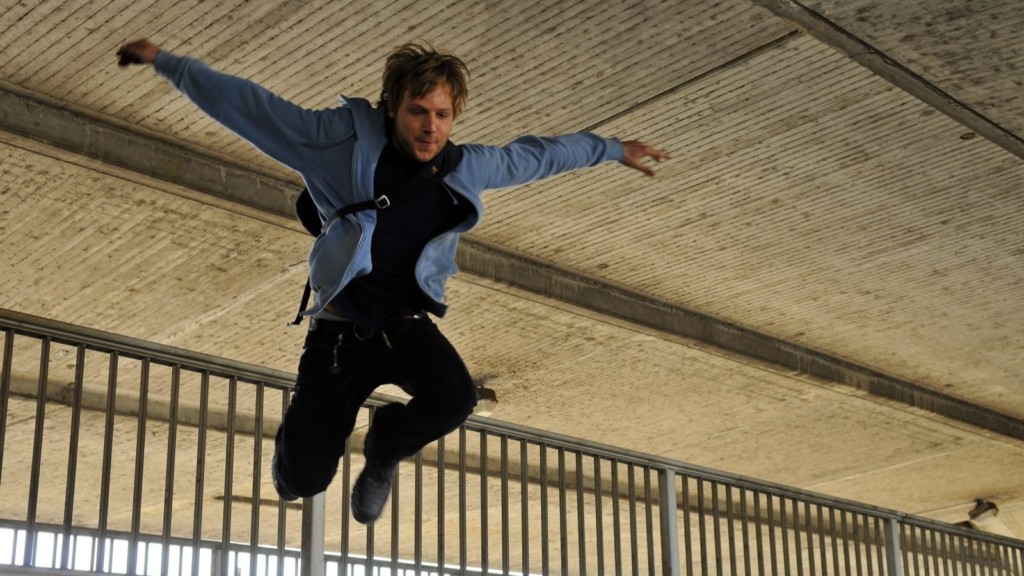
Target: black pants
(339, 369)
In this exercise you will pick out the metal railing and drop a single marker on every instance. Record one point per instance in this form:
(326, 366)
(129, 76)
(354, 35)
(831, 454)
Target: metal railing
(126, 457)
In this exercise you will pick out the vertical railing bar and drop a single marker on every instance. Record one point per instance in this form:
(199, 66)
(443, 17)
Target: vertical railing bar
(860, 542)
(634, 550)
(76, 423)
(832, 539)
(979, 548)
(716, 523)
(505, 503)
(975, 557)
(905, 547)
(882, 554)
(418, 505)
(846, 540)
(346, 514)
(931, 553)
(946, 569)
(140, 461)
(947, 562)
(5, 390)
(616, 517)
(441, 507)
(370, 528)
(282, 506)
(563, 534)
(172, 441)
(758, 532)
(924, 551)
(730, 526)
(1018, 559)
(257, 468)
(311, 553)
(965, 555)
(809, 530)
(484, 543)
(463, 550)
(524, 483)
(197, 510)
(772, 549)
(990, 556)
(687, 559)
(37, 452)
(581, 515)
(797, 545)
(985, 550)
(108, 455)
(976, 565)
(669, 522)
(958, 552)
(892, 547)
(599, 515)
(229, 475)
(822, 558)
(545, 555)
(911, 551)
(395, 519)
(784, 527)
(745, 530)
(649, 518)
(702, 526)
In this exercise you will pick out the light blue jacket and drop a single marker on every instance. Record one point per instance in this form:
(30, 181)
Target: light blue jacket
(336, 152)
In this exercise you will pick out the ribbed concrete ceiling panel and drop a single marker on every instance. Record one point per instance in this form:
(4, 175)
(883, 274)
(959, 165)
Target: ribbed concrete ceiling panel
(930, 38)
(550, 67)
(811, 199)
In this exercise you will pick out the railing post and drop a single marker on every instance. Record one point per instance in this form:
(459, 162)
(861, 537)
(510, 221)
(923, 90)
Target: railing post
(312, 554)
(893, 554)
(669, 522)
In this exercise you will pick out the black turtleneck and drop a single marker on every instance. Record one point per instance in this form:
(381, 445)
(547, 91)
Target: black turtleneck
(390, 289)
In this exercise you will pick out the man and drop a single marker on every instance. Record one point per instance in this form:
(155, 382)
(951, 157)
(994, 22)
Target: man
(378, 270)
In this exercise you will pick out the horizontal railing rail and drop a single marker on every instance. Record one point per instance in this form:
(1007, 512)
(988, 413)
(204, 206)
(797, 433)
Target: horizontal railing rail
(124, 456)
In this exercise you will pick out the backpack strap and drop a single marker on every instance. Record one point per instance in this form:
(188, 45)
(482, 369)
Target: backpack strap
(397, 195)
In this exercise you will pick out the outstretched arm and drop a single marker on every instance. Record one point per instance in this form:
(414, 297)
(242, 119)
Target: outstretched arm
(280, 129)
(634, 153)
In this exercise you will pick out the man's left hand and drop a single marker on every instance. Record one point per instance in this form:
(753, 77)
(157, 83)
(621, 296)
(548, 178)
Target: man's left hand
(635, 153)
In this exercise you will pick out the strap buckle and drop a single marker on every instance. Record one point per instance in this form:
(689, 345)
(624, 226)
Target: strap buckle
(382, 202)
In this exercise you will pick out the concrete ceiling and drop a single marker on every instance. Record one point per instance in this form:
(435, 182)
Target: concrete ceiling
(822, 288)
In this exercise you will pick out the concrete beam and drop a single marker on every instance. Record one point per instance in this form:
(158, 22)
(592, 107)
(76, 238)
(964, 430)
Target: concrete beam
(58, 124)
(831, 34)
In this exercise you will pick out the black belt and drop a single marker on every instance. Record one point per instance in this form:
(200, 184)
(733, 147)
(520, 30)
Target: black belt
(346, 327)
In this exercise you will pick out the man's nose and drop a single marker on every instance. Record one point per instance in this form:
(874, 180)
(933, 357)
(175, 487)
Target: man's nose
(430, 124)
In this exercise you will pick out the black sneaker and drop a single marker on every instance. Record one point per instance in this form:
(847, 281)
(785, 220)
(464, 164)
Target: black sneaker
(282, 490)
(370, 492)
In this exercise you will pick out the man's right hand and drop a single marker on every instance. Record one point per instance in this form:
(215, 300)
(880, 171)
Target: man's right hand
(140, 51)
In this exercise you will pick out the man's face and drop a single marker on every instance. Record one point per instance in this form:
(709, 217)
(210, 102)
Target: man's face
(422, 124)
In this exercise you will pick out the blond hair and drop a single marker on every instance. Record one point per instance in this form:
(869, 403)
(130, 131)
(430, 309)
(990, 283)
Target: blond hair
(418, 69)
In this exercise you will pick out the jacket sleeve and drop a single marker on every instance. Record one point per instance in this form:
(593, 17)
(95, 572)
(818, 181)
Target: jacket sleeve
(530, 158)
(284, 131)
